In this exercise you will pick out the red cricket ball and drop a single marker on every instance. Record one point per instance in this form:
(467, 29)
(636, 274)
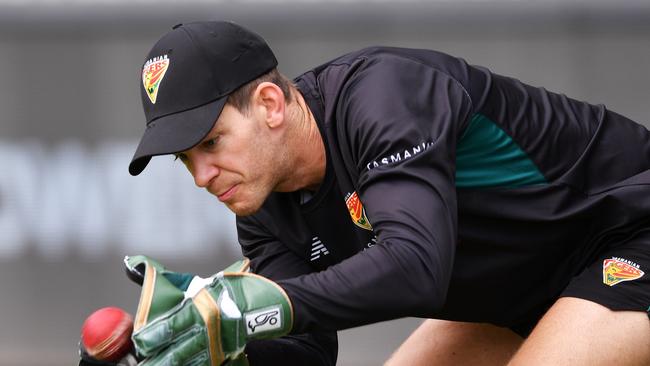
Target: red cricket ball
(106, 334)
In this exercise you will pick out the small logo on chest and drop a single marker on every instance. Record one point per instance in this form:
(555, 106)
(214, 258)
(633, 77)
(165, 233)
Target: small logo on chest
(318, 249)
(357, 212)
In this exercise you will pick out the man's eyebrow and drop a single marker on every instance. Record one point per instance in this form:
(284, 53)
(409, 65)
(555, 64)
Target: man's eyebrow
(211, 136)
(206, 138)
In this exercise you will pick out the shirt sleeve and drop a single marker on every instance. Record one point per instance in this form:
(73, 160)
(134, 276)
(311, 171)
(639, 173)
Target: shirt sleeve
(398, 122)
(275, 261)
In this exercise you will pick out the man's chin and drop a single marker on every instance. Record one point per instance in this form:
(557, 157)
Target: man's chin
(240, 209)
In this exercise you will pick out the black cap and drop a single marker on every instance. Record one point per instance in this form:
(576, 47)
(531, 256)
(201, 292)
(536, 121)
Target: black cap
(186, 79)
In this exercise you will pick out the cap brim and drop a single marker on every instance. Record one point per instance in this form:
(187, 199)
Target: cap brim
(176, 132)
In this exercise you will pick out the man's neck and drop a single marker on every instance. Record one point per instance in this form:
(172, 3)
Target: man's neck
(307, 150)
(313, 156)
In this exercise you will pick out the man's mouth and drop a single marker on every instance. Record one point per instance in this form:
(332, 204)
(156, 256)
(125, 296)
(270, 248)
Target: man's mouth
(225, 196)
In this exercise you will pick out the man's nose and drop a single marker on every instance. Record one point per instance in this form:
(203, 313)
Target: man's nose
(204, 173)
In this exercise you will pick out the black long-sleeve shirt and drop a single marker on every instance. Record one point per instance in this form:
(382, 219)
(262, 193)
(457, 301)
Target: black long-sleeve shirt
(450, 192)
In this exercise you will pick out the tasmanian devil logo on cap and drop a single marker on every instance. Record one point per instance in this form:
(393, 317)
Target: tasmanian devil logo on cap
(152, 74)
(357, 211)
(617, 270)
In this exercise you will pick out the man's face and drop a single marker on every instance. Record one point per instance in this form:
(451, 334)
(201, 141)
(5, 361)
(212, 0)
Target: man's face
(237, 161)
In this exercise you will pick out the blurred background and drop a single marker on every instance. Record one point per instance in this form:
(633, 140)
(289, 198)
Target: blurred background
(70, 119)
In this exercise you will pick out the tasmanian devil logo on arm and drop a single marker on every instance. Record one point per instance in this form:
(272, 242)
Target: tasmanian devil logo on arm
(617, 270)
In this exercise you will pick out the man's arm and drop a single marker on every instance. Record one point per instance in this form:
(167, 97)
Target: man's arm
(316, 348)
(395, 134)
(273, 260)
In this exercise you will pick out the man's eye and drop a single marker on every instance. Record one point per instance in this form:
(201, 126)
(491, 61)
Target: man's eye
(210, 142)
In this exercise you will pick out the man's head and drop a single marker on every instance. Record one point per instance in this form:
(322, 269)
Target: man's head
(213, 98)
(187, 79)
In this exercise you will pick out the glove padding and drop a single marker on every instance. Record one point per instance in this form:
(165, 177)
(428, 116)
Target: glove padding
(186, 319)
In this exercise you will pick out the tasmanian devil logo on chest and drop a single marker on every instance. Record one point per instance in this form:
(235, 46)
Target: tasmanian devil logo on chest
(357, 212)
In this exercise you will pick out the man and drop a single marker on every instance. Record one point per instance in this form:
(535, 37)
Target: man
(396, 182)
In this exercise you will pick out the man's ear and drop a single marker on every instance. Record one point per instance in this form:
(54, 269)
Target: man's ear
(270, 99)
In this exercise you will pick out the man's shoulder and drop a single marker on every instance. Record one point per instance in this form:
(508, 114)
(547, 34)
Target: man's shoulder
(379, 66)
(378, 53)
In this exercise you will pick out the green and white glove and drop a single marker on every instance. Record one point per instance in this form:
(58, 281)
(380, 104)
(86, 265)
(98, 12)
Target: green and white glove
(184, 319)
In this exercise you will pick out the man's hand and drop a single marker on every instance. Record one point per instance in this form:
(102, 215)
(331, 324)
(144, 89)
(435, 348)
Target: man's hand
(186, 319)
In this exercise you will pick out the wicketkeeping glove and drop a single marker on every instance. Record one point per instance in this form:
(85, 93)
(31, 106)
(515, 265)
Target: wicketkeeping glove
(184, 319)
